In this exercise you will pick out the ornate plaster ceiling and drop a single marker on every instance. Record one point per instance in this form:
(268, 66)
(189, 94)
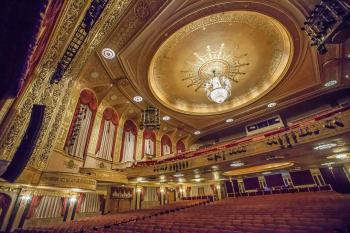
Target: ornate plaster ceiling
(249, 47)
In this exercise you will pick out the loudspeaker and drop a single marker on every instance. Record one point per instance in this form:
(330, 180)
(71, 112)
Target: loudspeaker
(25, 149)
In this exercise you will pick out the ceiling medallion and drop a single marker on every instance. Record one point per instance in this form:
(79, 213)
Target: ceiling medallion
(215, 70)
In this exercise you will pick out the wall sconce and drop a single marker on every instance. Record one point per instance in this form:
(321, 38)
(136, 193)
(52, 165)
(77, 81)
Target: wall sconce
(26, 197)
(73, 199)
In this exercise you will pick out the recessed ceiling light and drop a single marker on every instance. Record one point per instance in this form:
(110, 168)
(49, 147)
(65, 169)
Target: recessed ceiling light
(236, 164)
(348, 55)
(197, 179)
(214, 167)
(341, 156)
(197, 176)
(330, 83)
(137, 99)
(178, 175)
(347, 76)
(197, 132)
(229, 120)
(271, 105)
(108, 53)
(166, 118)
(325, 146)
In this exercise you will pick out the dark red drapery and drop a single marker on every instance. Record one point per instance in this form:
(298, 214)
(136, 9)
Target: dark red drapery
(180, 146)
(129, 126)
(148, 134)
(108, 115)
(33, 205)
(166, 141)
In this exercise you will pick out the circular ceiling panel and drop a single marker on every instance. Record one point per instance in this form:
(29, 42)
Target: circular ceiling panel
(251, 49)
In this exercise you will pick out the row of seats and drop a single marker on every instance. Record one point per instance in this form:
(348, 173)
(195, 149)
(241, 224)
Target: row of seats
(281, 213)
(94, 223)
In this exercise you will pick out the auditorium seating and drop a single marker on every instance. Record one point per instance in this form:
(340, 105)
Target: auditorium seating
(103, 221)
(280, 213)
(299, 213)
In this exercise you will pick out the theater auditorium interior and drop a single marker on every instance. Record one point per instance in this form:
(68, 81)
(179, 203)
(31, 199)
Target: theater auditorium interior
(175, 116)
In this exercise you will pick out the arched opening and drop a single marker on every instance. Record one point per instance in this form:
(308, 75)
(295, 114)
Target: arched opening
(166, 145)
(128, 149)
(180, 146)
(80, 129)
(107, 135)
(149, 143)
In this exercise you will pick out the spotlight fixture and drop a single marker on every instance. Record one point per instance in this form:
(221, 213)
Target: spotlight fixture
(330, 83)
(271, 105)
(137, 99)
(229, 120)
(325, 146)
(166, 118)
(197, 132)
(108, 53)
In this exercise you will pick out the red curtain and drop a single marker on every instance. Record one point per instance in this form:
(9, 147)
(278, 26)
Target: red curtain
(87, 97)
(64, 202)
(33, 205)
(166, 141)
(5, 201)
(148, 134)
(108, 115)
(102, 202)
(80, 201)
(129, 126)
(180, 146)
(158, 193)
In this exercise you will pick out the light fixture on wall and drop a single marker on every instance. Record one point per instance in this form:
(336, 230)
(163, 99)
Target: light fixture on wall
(272, 105)
(229, 120)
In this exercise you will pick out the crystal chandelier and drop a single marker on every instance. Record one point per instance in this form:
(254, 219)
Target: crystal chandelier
(218, 88)
(214, 70)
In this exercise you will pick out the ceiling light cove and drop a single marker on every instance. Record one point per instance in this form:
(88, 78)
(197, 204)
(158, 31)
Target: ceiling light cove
(108, 53)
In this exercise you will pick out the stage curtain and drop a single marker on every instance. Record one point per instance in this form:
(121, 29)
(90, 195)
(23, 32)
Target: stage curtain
(33, 205)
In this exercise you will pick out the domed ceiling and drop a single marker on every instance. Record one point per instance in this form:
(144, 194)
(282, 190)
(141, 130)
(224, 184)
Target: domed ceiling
(251, 49)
